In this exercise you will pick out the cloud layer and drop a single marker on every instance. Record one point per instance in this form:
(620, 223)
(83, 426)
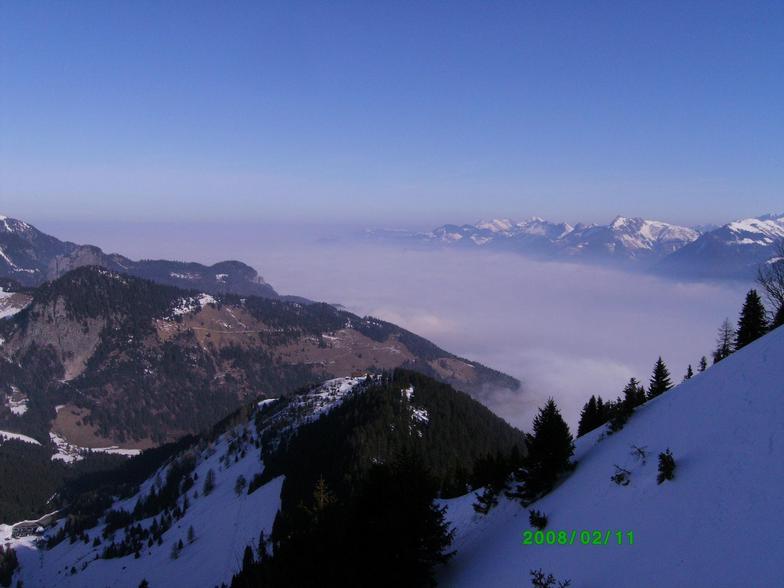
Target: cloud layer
(566, 331)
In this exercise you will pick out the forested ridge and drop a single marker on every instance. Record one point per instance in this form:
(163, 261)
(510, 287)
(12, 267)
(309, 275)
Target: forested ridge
(145, 376)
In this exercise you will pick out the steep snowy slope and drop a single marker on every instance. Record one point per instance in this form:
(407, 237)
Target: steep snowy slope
(224, 521)
(719, 523)
(263, 458)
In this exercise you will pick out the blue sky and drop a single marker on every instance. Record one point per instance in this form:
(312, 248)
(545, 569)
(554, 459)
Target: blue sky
(391, 113)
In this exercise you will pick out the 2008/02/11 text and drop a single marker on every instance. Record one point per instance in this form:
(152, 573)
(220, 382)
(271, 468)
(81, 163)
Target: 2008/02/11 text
(574, 537)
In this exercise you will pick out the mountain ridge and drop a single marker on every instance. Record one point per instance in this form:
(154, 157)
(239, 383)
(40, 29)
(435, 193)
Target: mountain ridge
(729, 251)
(132, 363)
(32, 257)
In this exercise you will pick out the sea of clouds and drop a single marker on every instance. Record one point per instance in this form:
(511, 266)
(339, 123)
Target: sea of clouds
(565, 330)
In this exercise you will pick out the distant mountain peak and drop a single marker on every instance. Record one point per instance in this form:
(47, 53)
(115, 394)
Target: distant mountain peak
(32, 257)
(769, 226)
(12, 225)
(733, 250)
(499, 225)
(621, 221)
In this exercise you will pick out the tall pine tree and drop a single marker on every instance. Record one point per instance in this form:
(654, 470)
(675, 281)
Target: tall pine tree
(660, 379)
(753, 322)
(724, 341)
(703, 364)
(633, 393)
(550, 448)
(778, 319)
(589, 417)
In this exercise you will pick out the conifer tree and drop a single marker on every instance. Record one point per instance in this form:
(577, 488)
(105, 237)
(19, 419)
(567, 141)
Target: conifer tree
(724, 341)
(660, 379)
(753, 322)
(602, 410)
(247, 557)
(666, 467)
(485, 501)
(322, 497)
(537, 519)
(240, 484)
(262, 549)
(689, 374)
(209, 482)
(191, 534)
(399, 527)
(633, 393)
(550, 448)
(622, 409)
(589, 417)
(703, 364)
(778, 318)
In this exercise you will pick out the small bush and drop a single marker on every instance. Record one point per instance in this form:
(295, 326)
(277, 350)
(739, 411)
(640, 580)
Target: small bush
(622, 476)
(537, 519)
(240, 484)
(666, 467)
(485, 501)
(540, 580)
(640, 453)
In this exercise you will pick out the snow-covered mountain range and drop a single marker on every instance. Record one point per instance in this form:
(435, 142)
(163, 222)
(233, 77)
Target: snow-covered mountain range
(735, 249)
(730, 251)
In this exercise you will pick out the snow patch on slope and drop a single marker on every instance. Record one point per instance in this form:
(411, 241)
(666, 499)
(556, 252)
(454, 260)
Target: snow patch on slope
(419, 416)
(223, 521)
(757, 231)
(192, 304)
(8, 435)
(70, 453)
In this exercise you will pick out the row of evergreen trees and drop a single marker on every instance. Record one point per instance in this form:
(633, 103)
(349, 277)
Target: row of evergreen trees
(550, 444)
(752, 324)
(596, 411)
